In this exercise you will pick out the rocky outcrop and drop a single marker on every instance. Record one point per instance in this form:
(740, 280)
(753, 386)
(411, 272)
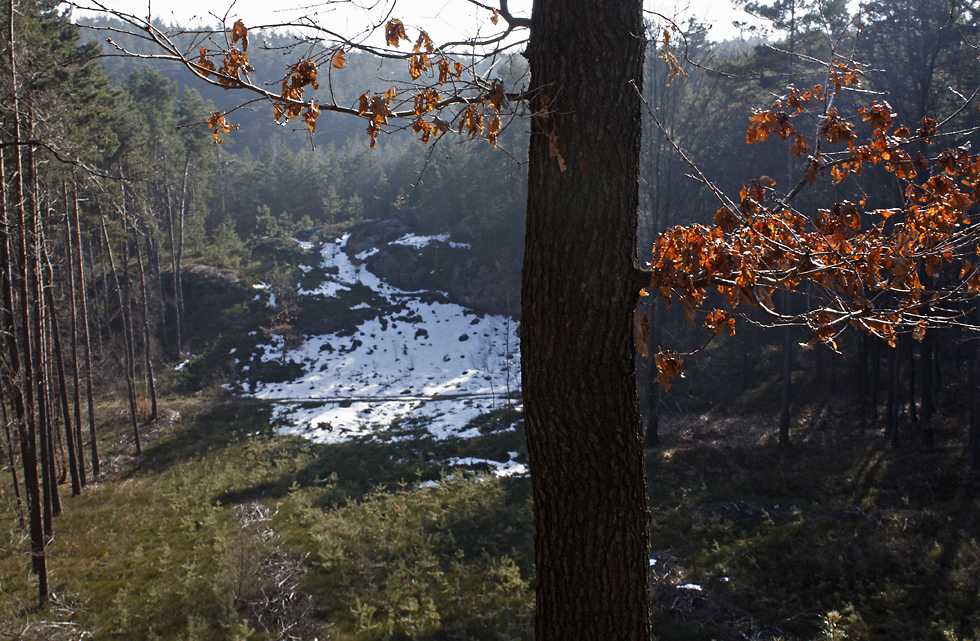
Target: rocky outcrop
(215, 287)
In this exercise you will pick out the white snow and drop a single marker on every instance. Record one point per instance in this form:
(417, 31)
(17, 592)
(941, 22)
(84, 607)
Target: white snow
(418, 242)
(429, 360)
(507, 468)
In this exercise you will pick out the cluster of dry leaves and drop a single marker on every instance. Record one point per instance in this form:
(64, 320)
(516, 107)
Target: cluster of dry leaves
(873, 269)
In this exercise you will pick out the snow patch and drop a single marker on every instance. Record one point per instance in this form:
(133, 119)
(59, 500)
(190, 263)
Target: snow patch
(410, 364)
(418, 242)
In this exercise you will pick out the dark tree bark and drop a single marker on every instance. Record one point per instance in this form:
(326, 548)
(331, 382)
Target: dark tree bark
(580, 285)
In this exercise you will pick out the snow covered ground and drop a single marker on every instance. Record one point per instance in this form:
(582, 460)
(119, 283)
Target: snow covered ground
(429, 360)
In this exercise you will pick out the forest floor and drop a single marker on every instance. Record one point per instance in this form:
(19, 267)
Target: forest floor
(225, 529)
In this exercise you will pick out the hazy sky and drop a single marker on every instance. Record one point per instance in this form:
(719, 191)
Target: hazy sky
(443, 19)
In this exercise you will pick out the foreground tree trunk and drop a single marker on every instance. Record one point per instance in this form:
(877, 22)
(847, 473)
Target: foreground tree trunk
(580, 283)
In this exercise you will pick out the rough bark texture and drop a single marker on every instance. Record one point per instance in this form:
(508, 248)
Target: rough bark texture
(585, 444)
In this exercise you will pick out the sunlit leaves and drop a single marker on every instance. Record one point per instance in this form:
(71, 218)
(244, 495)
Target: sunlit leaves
(836, 129)
(874, 269)
(239, 32)
(395, 32)
(219, 125)
(204, 64)
(879, 116)
(290, 103)
(493, 129)
(720, 321)
(233, 64)
(312, 112)
(377, 109)
(669, 367)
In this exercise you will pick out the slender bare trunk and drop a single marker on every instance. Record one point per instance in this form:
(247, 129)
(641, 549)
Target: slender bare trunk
(59, 360)
(179, 255)
(26, 416)
(52, 499)
(11, 457)
(787, 381)
(913, 412)
(863, 379)
(875, 377)
(73, 329)
(147, 360)
(79, 265)
(891, 412)
(127, 327)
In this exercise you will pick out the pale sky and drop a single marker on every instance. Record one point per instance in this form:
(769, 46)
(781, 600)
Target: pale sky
(442, 19)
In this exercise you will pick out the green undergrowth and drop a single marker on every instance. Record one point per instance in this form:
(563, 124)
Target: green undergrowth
(839, 537)
(836, 536)
(158, 550)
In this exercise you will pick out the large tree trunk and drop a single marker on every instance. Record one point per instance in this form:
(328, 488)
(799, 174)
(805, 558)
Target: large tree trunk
(580, 284)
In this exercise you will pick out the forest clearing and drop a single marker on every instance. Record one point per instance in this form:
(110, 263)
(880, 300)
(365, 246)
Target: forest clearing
(584, 326)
